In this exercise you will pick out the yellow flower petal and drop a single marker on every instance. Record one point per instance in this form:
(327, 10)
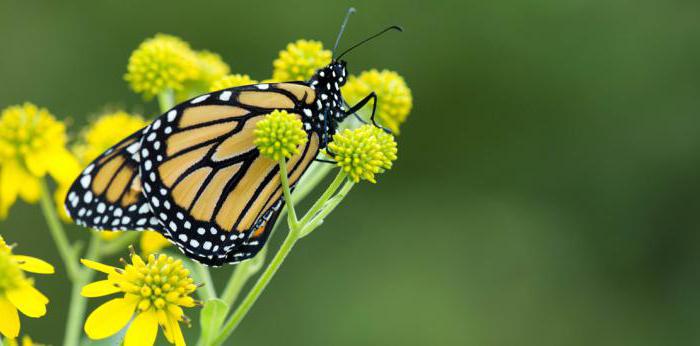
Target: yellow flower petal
(109, 318)
(29, 188)
(152, 242)
(33, 265)
(143, 330)
(28, 300)
(9, 187)
(99, 266)
(9, 319)
(63, 166)
(99, 289)
(176, 331)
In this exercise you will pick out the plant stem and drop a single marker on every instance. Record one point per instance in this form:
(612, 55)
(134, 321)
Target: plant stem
(166, 100)
(291, 213)
(241, 274)
(204, 274)
(271, 270)
(327, 209)
(78, 303)
(66, 251)
(259, 286)
(324, 198)
(314, 175)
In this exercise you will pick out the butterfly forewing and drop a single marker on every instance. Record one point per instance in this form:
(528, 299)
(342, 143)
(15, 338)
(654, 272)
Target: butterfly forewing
(205, 180)
(107, 195)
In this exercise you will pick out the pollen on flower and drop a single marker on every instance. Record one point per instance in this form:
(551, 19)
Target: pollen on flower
(32, 144)
(300, 60)
(154, 290)
(394, 97)
(160, 63)
(17, 292)
(230, 81)
(363, 152)
(279, 135)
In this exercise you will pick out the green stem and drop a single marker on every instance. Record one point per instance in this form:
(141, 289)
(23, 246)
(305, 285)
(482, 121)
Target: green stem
(327, 209)
(209, 291)
(240, 276)
(67, 252)
(259, 286)
(271, 270)
(291, 213)
(78, 303)
(166, 100)
(119, 244)
(313, 176)
(324, 198)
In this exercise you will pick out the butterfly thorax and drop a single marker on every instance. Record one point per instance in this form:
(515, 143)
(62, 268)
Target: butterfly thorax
(327, 82)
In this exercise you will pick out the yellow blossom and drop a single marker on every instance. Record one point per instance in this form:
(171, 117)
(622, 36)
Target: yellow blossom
(154, 292)
(230, 81)
(394, 97)
(152, 242)
(161, 63)
(26, 341)
(279, 135)
(32, 144)
(106, 131)
(363, 152)
(17, 292)
(211, 66)
(300, 60)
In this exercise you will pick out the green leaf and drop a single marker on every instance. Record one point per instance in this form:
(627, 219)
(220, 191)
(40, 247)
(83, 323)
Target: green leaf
(211, 318)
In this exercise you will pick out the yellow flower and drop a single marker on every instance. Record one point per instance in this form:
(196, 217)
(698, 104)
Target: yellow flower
(105, 132)
(154, 294)
(152, 242)
(363, 152)
(32, 144)
(17, 292)
(394, 97)
(279, 135)
(230, 81)
(300, 61)
(26, 341)
(211, 66)
(161, 63)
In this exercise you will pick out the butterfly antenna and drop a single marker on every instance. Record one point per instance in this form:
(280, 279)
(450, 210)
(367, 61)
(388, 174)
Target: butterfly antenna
(393, 27)
(351, 10)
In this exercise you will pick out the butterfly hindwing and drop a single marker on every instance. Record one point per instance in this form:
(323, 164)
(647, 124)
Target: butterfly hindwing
(107, 195)
(205, 180)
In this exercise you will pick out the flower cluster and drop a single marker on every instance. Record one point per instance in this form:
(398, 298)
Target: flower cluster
(394, 97)
(279, 135)
(155, 291)
(300, 60)
(230, 81)
(363, 152)
(17, 292)
(160, 63)
(32, 144)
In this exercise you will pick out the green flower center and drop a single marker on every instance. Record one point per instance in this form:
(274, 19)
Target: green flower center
(159, 282)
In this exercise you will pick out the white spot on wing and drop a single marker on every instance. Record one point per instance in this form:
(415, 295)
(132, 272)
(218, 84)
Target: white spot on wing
(225, 96)
(200, 99)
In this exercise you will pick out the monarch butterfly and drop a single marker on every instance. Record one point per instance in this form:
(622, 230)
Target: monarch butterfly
(194, 174)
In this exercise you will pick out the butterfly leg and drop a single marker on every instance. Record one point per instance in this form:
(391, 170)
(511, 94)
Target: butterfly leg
(372, 96)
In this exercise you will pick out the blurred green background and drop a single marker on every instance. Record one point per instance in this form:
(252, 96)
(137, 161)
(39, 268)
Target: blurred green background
(547, 186)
